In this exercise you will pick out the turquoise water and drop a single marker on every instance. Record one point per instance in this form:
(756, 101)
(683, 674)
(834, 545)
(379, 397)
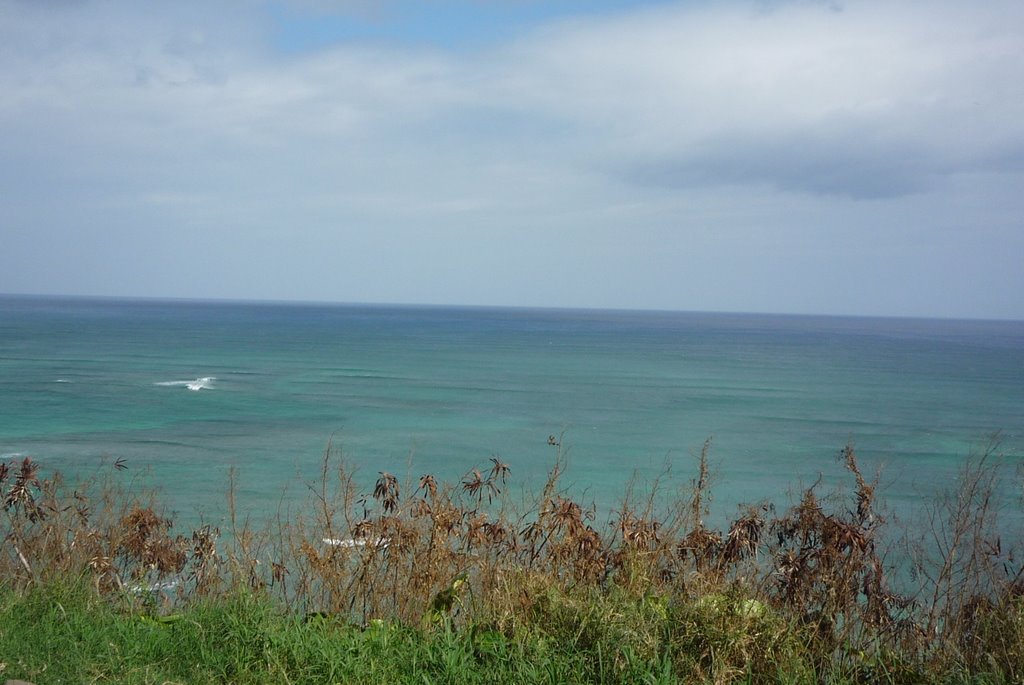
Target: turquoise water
(185, 390)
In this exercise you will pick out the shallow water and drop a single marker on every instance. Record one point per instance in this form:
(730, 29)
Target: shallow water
(185, 390)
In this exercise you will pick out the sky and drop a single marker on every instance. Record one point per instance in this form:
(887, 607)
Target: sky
(852, 157)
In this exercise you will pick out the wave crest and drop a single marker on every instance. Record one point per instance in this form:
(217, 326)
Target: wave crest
(204, 383)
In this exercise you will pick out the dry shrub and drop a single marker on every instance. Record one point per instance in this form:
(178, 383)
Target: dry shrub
(970, 576)
(96, 529)
(725, 604)
(146, 546)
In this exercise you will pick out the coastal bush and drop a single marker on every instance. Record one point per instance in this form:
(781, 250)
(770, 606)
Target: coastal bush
(451, 582)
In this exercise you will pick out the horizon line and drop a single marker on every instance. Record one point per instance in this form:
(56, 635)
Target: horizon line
(511, 307)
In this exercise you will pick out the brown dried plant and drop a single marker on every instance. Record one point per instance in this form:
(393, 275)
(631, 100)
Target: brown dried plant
(146, 546)
(364, 554)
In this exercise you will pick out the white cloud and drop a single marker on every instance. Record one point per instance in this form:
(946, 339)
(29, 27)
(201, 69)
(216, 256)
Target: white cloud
(712, 124)
(907, 90)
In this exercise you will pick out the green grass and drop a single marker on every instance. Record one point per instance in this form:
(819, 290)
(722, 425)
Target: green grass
(66, 633)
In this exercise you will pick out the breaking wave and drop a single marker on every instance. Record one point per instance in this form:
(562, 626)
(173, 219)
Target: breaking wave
(197, 384)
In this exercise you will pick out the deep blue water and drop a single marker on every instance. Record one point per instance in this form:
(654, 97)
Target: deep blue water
(423, 389)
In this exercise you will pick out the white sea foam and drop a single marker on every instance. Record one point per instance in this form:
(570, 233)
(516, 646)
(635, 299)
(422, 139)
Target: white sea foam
(204, 383)
(142, 588)
(357, 542)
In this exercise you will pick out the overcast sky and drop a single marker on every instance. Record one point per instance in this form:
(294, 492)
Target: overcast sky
(846, 157)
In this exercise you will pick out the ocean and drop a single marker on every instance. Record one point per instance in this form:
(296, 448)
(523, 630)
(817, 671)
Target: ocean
(186, 391)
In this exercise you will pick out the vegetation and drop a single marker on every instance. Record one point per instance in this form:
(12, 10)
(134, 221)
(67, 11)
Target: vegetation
(451, 583)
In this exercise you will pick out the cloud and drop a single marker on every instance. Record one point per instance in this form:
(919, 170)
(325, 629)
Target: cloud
(795, 165)
(876, 100)
(603, 135)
